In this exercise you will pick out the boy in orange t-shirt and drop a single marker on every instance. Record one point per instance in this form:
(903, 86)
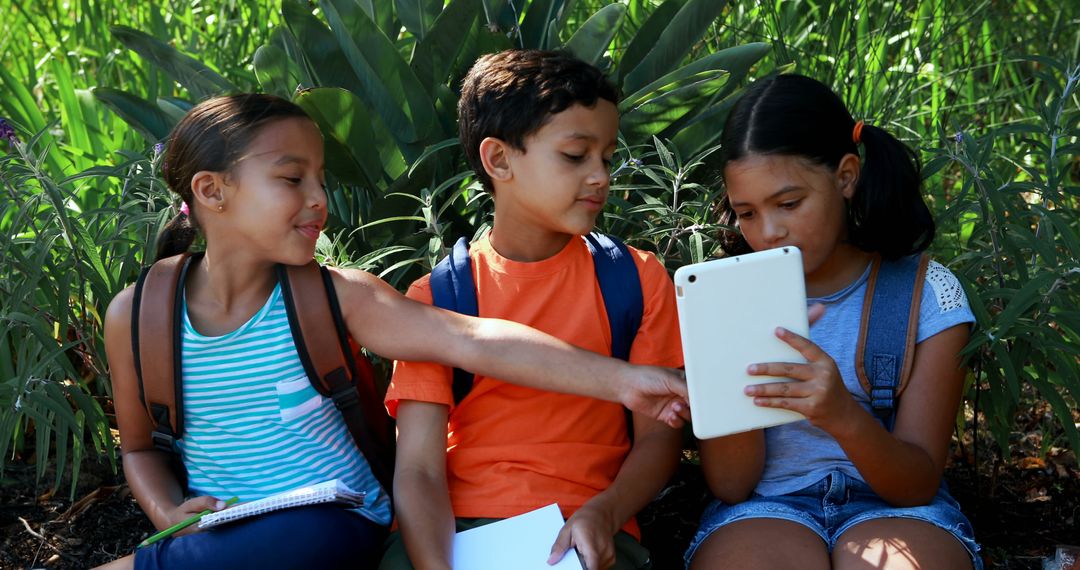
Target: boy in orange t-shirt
(539, 128)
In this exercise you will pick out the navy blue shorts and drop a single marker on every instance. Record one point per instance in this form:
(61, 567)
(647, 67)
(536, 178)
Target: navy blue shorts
(831, 507)
(318, 536)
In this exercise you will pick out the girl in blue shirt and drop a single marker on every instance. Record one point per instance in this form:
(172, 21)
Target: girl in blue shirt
(839, 489)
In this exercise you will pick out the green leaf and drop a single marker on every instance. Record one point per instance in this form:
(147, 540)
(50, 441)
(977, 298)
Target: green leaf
(1022, 300)
(417, 15)
(140, 114)
(387, 84)
(705, 128)
(668, 104)
(592, 39)
(735, 61)
(200, 81)
(647, 36)
(174, 108)
(1062, 409)
(431, 150)
(344, 118)
(18, 103)
(71, 110)
(436, 53)
(276, 73)
(675, 42)
(534, 27)
(318, 45)
(499, 15)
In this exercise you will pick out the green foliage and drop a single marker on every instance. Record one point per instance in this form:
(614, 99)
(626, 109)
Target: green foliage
(80, 199)
(1014, 231)
(61, 263)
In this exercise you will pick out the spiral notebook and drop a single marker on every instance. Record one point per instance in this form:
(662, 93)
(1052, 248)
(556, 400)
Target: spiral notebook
(332, 491)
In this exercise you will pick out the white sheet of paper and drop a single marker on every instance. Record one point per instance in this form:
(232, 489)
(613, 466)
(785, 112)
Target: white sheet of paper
(522, 542)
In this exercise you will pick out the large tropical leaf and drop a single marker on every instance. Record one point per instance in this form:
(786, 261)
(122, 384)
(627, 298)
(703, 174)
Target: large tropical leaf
(387, 83)
(536, 25)
(144, 116)
(736, 61)
(647, 36)
(668, 104)
(594, 37)
(435, 55)
(685, 29)
(276, 72)
(343, 117)
(417, 15)
(200, 81)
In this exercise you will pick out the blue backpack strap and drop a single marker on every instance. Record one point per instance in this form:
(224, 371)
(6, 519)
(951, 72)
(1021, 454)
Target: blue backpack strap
(620, 285)
(453, 289)
(883, 358)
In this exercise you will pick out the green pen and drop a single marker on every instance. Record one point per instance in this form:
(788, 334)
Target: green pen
(182, 525)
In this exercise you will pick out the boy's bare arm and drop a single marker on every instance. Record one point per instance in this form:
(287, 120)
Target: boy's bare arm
(647, 468)
(396, 327)
(421, 497)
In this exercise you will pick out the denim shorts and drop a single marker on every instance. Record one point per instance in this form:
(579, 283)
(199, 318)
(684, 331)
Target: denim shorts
(832, 506)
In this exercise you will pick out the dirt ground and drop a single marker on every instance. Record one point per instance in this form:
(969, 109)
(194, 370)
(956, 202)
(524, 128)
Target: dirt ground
(1022, 509)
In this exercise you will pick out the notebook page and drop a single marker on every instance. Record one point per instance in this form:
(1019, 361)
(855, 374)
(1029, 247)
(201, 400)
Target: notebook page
(522, 543)
(326, 492)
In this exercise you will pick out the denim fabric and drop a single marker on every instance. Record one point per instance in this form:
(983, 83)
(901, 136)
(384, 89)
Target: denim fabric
(320, 536)
(832, 506)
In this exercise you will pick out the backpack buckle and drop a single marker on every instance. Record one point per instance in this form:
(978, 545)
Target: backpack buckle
(345, 398)
(163, 441)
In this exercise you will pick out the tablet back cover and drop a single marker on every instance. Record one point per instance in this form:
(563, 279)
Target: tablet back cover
(728, 311)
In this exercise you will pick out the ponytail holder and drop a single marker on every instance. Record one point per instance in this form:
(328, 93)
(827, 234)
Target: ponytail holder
(856, 133)
(184, 210)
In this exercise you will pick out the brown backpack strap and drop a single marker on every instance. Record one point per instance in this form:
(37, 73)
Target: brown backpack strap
(864, 320)
(911, 333)
(155, 333)
(325, 351)
(913, 320)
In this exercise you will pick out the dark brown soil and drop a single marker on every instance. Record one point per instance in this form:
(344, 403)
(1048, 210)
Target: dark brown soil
(1022, 509)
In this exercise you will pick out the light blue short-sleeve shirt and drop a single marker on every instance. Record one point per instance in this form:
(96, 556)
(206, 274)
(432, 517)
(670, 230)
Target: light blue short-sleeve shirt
(799, 454)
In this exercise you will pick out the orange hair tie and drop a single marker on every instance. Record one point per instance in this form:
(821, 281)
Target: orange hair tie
(856, 134)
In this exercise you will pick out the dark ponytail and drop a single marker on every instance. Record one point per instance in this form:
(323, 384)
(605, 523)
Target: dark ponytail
(176, 237)
(212, 136)
(795, 115)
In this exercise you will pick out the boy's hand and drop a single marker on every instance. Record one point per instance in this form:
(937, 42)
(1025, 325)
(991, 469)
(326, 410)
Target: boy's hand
(658, 393)
(590, 531)
(190, 508)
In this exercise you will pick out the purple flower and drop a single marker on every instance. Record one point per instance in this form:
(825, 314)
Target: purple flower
(958, 137)
(7, 132)
(158, 148)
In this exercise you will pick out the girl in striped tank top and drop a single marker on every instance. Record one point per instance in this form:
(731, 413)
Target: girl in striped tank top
(249, 169)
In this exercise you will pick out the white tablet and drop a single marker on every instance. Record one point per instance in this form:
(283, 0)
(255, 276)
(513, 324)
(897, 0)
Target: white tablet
(728, 311)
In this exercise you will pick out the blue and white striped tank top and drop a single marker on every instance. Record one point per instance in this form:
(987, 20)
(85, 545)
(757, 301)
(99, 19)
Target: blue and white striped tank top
(254, 425)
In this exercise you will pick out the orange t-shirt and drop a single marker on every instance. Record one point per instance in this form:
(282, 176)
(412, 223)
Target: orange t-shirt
(512, 449)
